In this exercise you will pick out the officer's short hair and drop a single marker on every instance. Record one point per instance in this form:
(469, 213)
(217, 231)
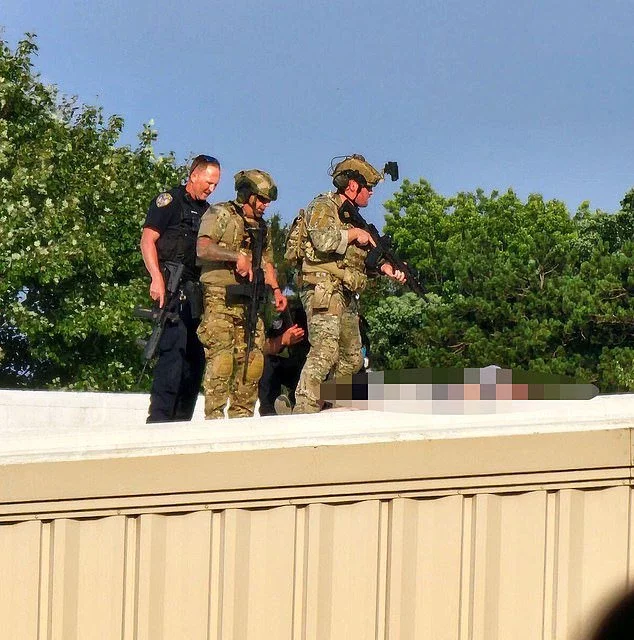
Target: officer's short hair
(202, 161)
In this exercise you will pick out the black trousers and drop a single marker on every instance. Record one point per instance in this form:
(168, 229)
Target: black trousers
(278, 371)
(178, 371)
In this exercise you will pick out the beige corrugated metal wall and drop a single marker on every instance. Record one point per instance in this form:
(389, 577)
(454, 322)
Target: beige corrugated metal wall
(522, 537)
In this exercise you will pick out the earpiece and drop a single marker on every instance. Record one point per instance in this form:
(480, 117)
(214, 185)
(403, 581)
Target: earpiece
(341, 180)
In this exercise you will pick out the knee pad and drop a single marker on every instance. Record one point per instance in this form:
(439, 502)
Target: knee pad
(222, 365)
(255, 367)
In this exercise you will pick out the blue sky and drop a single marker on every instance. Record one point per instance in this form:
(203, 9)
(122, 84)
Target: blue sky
(535, 95)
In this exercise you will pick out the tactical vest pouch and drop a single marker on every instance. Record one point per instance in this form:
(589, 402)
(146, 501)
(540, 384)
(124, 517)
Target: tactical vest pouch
(296, 239)
(321, 296)
(194, 293)
(354, 280)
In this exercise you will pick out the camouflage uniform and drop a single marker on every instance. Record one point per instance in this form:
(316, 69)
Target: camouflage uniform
(222, 330)
(333, 272)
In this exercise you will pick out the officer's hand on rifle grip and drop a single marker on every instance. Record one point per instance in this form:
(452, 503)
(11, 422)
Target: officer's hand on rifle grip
(243, 266)
(395, 274)
(360, 236)
(157, 289)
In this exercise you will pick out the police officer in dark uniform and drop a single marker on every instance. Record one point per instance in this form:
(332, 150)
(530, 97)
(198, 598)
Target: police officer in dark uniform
(169, 237)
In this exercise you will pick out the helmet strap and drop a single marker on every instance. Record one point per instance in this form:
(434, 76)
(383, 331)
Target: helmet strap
(252, 201)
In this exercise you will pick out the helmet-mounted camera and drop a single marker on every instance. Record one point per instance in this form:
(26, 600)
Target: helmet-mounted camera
(356, 167)
(391, 169)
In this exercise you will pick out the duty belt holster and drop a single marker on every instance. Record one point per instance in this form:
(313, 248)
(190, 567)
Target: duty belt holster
(193, 292)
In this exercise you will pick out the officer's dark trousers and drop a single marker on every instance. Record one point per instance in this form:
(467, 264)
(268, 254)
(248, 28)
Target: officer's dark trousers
(278, 371)
(178, 371)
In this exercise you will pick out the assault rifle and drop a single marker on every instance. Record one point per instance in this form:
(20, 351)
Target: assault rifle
(383, 250)
(252, 294)
(173, 274)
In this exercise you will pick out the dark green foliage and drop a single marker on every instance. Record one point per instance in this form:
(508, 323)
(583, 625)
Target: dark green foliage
(71, 208)
(277, 233)
(524, 285)
(519, 284)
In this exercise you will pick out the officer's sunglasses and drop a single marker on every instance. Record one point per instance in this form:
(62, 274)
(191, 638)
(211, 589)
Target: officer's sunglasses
(203, 159)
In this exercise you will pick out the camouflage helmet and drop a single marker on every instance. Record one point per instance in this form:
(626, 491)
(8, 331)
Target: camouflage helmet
(254, 181)
(354, 167)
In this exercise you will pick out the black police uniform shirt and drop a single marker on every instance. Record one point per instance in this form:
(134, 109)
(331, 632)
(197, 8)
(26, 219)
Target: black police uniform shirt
(175, 215)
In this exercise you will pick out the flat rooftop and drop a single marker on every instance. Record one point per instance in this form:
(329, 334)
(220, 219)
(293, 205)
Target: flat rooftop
(38, 426)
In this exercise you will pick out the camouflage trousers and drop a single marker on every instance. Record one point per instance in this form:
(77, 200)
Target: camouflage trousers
(222, 334)
(335, 342)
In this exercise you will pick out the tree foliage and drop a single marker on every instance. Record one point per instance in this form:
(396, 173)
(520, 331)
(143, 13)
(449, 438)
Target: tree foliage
(278, 232)
(517, 284)
(72, 204)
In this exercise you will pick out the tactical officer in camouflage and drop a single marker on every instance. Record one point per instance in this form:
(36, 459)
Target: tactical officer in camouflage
(224, 253)
(169, 237)
(333, 272)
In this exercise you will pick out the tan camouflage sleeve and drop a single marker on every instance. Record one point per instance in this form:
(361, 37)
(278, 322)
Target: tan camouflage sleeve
(267, 253)
(214, 222)
(323, 230)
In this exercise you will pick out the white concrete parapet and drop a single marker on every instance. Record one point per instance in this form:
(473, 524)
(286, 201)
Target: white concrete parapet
(47, 425)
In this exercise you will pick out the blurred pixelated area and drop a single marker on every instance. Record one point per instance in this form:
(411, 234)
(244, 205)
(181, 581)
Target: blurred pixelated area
(445, 390)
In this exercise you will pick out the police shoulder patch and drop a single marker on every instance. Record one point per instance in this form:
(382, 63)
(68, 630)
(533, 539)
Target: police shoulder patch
(163, 199)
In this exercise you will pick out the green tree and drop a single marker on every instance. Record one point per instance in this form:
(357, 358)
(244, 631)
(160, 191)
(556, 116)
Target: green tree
(519, 284)
(72, 204)
(278, 231)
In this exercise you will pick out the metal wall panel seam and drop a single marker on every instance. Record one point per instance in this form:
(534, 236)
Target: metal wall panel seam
(130, 582)
(216, 575)
(314, 512)
(393, 537)
(567, 587)
(630, 548)
(229, 577)
(43, 594)
(392, 564)
(382, 569)
(630, 551)
(557, 564)
(548, 595)
(299, 575)
(65, 579)
(486, 595)
(151, 601)
(467, 569)
(398, 568)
